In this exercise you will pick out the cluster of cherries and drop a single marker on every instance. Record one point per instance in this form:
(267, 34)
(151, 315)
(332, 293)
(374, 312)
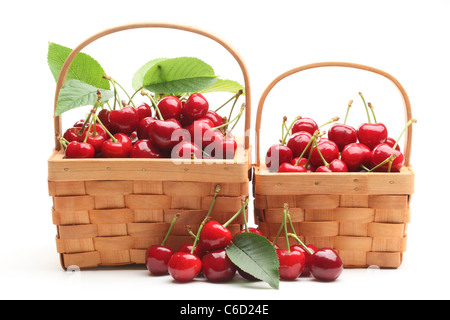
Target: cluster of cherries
(304, 148)
(181, 128)
(208, 256)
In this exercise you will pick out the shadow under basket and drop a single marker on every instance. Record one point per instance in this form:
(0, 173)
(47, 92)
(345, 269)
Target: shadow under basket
(363, 216)
(109, 211)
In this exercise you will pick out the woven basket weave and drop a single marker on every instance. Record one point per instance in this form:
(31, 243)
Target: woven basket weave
(109, 211)
(364, 216)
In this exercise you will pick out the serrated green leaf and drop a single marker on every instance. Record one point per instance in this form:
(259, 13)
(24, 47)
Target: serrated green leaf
(138, 78)
(224, 86)
(184, 74)
(83, 67)
(75, 93)
(255, 255)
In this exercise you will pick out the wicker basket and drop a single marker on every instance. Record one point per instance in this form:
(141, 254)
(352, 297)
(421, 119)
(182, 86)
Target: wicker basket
(364, 216)
(109, 211)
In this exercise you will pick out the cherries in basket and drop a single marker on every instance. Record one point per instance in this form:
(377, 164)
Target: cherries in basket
(166, 127)
(303, 147)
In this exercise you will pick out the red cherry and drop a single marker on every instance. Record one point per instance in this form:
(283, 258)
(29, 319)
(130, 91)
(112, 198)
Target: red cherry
(308, 257)
(79, 124)
(165, 134)
(215, 118)
(222, 148)
(356, 154)
(288, 167)
(95, 140)
(303, 162)
(103, 115)
(78, 150)
(338, 165)
(117, 149)
(305, 124)
(144, 111)
(157, 259)
(298, 142)
(391, 142)
(124, 120)
(217, 267)
(71, 134)
(251, 230)
(198, 251)
(323, 169)
(326, 265)
(292, 264)
(382, 152)
(372, 134)
(342, 135)
(329, 151)
(170, 107)
(195, 107)
(185, 150)
(143, 127)
(184, 267)
(214, 236)
(276, 155)
(145, 149)
(201, 132)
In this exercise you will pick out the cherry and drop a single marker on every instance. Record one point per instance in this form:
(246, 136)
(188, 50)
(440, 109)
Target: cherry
(380, 159)
(276, 155)
(215, 118)
(299, 142)
(165, 134)
(78, 124)
(356, 154)
(292, 264)
(143, 128)
(372, 134)
(103, 115)
(124, 120)
(217, 267)
(186, 150)
(251, 230)
(305, 124)
(184, 266)
(201, 132)
(304, 163)
(119, 146)
(338, 165)
(327, 148)
(77, 150)
(157, 259)
(170, 107)
(391, 142)
(144, 111)
(198, 251)
(288, 167)
(145, 149)
(222, 147)
(195, 107)
(342, 135)
(326, 265)
(308, 257)
(72, 134)
(214, 236)
(324, 169)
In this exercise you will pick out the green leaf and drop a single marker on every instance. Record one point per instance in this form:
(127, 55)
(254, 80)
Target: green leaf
(255, 255)
(83, 67)
(224, 86)
(184, 74)
(75, 93)
(138, 78)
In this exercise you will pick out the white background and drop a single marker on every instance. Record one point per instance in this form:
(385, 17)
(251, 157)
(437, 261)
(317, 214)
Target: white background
(408, 39)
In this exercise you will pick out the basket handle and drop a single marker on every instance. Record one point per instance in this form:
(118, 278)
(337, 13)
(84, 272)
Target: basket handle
(71, 57)
(407, 104)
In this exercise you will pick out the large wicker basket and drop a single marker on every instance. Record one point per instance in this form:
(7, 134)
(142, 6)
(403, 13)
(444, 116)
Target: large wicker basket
(364, 216)
(109, 211)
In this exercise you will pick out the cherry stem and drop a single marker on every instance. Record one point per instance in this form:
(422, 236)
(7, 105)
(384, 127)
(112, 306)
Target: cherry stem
(307, 146)
(104, 128)
(236, 97)
(64, 142)
(373, 112)
(390, 160)
(283, 141)
(320, 153)
(170, 229)
(367, 109)
(228, 101)
(241, 210)
(348, 110)
(154, 104)
(330, 121)
(236, 121)
(364, 167)
(116, 93)
(135, 93)
(189, 230)
(129, 98)
(244, 204)
(292, 235)
(283, 127)
(216, 192)
(285, 230)
(410, 122)
(281, 227)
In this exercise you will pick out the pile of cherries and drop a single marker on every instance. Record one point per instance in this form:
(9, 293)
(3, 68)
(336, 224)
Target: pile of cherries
(304, 148)
(207, 257)
(172, 127)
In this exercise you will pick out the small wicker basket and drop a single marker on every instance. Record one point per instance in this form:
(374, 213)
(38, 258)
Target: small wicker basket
(364, 216)
(109, 211)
